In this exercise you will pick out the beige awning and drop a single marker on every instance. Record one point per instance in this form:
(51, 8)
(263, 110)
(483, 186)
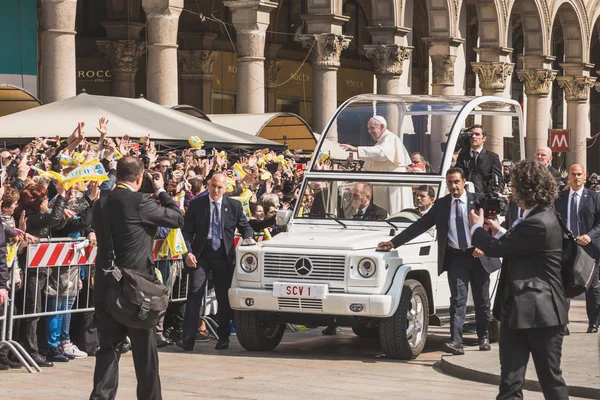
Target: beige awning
(272, 126)
(135, 117)
(14, 99)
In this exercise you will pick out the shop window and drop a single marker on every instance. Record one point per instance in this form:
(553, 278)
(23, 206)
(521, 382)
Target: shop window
(223, 103)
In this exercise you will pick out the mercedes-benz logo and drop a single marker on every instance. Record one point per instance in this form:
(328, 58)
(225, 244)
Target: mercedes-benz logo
(303, 266)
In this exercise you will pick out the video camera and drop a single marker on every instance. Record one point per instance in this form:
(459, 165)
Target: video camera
(464, 140)
(13, 167)
(493, 203)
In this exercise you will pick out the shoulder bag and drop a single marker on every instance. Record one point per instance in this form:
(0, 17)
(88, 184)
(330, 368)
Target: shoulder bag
(134, 299)
(578, 266)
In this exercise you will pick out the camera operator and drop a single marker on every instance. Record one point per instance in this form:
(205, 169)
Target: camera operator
(530, 303)
(478, 164)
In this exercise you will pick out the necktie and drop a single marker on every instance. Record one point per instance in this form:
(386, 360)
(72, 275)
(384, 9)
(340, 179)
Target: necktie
(359, 214)
(215, 227)
(460, 227)
(574, 221)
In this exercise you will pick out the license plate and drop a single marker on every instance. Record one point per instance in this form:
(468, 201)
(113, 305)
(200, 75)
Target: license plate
(299, 290)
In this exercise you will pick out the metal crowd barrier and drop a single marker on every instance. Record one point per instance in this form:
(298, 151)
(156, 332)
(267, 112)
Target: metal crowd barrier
(59, 272)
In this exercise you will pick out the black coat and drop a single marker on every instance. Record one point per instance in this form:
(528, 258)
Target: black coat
(438, 216)
(481, 172)
(375, 213)
(41, 224)
(134, 218)
(197, 225)
(589, 217)
(530, 290)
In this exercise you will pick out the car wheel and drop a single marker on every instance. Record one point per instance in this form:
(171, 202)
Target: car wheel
(494, 330)
(403, 335)
(366, 331)
(255, 333)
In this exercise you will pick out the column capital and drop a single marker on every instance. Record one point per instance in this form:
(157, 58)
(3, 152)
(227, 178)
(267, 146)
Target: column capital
(196, 63)
(122, 55)
(251, 20)
(166, 8)
(537, 81)
(272, 68)
(388, 59)
(493, 75)
(442, 69)
(328, 48)
(577, 88)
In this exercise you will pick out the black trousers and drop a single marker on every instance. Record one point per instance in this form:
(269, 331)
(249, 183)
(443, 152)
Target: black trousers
(592, 299)
(36, 277)
(222, 273)
(545, 346)
(145, 358)
(462, 270)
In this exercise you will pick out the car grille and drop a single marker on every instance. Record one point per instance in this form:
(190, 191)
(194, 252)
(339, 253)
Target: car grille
(286, 303)
(325, 267)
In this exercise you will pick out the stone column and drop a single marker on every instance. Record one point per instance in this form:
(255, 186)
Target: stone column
(123, 57)
(388, 62)
(327, 48)
(538, 84)
(577, 92)
(492, 81)
(197, 76)
(162, 19)
(250, 19)
(58, 70)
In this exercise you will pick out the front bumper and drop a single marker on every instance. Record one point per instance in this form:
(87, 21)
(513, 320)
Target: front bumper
(379, 305)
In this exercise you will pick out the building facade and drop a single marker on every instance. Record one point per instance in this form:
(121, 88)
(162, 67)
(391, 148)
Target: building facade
(308, 56)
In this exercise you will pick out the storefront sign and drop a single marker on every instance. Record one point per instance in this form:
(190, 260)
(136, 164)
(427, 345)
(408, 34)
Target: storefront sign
(225, 70)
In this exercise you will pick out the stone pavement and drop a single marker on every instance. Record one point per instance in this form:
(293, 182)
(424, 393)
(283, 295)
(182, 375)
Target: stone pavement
(580, 360)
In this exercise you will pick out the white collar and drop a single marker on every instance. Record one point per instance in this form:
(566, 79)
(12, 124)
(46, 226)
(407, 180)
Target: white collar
(579, 192)
(462, 198)
(528, 211)
(219, 201)
(364, 209)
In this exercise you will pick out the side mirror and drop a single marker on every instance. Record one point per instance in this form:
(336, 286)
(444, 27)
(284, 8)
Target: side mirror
(283, 217)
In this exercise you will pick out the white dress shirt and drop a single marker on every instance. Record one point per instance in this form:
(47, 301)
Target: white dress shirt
(579, 197)
(212, 210)
(452, 234)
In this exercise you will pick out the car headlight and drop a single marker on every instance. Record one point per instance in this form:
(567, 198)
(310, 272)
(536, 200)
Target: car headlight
(249, 262)
(367, 267)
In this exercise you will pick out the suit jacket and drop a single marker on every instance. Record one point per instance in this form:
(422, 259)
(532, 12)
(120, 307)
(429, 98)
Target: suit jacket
(589, 217)
(512, 214)
(530, 291)
(197, 225)
(134, 219)
(487, 165)
(4, 268)
(374, 212)
(438, 216)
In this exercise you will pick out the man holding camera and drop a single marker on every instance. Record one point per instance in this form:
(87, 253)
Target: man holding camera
(479, 165)
(456, 255)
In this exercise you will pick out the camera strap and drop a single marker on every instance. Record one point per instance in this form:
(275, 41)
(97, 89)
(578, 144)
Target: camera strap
(110, 253)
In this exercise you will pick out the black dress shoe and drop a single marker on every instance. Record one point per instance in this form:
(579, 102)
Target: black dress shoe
(124, 348)
(454, 348)
(484, 344)
(42, 362)
(222, 345)
(10, 363)
(329, 330)
(590, 329)
(185, 343)
(566, 331)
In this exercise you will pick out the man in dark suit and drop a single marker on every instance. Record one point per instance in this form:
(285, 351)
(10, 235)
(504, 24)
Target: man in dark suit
(479, 165)
(210, 224)
(456, 255)
(424, 198)
(362, 194)
(134, 218)
(530, 303)
(580, 210)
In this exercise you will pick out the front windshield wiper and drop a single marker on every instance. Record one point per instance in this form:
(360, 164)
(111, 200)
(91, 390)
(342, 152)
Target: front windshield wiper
(389, 223)
(332, 216)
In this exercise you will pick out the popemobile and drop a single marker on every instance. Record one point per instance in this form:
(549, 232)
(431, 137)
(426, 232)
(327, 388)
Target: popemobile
(325, 268)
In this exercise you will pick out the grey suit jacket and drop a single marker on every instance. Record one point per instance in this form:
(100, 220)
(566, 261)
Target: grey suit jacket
(530, 291)
(589, 217)
(437, 216)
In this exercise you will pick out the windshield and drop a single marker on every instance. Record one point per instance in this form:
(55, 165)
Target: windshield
(361, 200)
(408, 134)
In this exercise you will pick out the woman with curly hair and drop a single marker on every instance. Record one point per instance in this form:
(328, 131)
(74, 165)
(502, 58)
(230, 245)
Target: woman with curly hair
(39, 221)
(530, 304)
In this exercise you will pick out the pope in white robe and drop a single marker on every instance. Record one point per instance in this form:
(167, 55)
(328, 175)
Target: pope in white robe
(387, 155)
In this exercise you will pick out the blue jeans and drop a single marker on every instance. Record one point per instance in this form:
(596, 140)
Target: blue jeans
(54, 322)
(65, 337)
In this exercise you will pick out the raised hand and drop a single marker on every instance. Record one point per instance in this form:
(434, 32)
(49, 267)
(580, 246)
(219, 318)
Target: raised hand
(103, 122)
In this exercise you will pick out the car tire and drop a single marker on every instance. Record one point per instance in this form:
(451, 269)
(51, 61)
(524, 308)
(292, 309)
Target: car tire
(403, 335)
(494, 330)
(256, 334)
(366, 331)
